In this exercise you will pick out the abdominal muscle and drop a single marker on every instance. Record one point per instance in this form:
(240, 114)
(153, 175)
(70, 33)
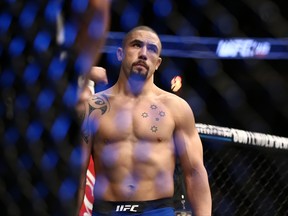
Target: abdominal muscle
(137, 171)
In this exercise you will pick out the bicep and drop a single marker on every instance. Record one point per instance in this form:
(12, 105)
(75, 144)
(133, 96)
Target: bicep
(188, 143)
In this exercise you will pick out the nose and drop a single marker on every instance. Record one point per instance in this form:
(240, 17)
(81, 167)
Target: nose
(143, 53)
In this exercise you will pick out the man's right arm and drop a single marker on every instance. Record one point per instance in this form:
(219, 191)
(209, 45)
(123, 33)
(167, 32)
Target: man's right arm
(97, 74)
(93, 28)
(86, 146)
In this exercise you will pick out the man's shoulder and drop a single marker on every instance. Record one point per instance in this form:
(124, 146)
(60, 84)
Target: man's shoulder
(104, 94)
(176, 104)
(99, 99)
(169, 97)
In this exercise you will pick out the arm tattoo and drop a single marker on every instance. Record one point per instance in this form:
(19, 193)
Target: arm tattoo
(99, 103)
(85, 137)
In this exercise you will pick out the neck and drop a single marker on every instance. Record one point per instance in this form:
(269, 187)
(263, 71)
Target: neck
(134, 87)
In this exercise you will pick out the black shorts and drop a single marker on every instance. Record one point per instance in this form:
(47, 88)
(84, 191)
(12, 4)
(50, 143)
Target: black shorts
(163, 207)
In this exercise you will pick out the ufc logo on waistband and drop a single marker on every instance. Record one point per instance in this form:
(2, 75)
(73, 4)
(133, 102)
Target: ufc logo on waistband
(131, 208)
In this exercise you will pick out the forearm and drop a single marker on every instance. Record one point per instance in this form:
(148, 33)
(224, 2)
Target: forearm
(93, 27)
(82, 109)
(198, 192)
(80, 196)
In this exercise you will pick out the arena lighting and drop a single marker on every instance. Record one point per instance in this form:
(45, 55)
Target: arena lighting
(213, 48)
(176, 83)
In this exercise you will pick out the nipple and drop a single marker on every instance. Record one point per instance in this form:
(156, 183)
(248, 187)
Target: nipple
(131, 187)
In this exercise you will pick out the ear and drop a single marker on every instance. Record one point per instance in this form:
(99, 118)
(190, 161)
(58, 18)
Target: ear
(158, 63)
(120, 54)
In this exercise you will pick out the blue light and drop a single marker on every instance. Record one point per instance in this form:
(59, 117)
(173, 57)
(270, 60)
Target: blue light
(79, 5)
(214, 137)
(67, 189)
(31, 73)
(42, 41)
(96, 27)
(52, 10)
(34, 131)
(17, 46)
(112, 59)
(83, 64)
(93, 125)
(162, 8)
(45, 99)
(129, 18)
(5, 22)
(56, 69)
(7, 78)
(70, 33)
(70, 95)
(60, 128)
(49, 160)
(27, 16)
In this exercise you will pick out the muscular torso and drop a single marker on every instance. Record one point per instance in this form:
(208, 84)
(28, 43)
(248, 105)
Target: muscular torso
(132, 147)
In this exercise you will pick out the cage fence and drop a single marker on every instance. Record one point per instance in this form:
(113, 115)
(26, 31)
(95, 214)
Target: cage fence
(39, 156)
(247, 178)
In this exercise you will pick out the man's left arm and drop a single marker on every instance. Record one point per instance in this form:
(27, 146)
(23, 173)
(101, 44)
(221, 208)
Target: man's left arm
(190, 152)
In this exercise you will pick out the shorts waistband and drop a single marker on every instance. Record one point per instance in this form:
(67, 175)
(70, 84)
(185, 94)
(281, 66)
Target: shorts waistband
(131, 206)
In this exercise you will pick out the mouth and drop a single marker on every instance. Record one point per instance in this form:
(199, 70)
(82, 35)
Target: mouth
(141, 65)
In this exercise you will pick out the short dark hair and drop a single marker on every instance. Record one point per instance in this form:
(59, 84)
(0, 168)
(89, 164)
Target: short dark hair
(137, 28)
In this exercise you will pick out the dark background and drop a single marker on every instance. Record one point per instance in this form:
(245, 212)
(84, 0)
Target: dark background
(40, 158)
(249, 94)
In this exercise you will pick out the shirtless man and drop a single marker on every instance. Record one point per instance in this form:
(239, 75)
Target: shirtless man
(134, 131)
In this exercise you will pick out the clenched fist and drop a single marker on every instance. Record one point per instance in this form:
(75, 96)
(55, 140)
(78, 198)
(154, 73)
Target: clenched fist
(86, 86)
(98, 75)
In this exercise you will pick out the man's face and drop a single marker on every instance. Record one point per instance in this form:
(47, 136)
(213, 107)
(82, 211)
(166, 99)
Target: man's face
(141, 54)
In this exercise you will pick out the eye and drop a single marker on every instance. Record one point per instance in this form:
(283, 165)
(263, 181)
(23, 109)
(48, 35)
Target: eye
(136, 44)
(153, 48)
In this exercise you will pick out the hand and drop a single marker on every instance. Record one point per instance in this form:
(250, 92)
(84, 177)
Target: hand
(98, 75)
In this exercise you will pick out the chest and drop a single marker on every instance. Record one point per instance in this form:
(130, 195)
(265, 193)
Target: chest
(145, 120)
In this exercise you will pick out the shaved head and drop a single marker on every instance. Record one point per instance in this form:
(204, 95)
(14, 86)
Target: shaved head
(140, 28)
